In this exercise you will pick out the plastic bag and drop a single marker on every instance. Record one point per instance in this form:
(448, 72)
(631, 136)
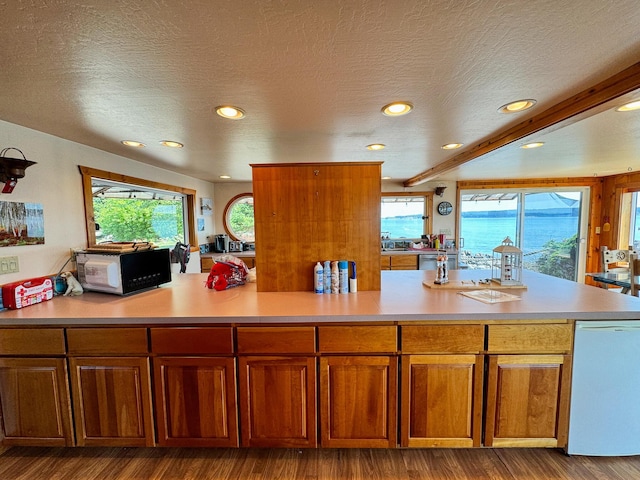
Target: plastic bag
(228, 272)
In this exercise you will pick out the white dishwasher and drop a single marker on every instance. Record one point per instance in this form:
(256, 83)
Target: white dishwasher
(605, 389)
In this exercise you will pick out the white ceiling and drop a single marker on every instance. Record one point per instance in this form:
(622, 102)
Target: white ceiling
(312, 77)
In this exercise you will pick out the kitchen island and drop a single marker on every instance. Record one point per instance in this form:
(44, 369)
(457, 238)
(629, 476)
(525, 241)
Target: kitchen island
(402, 297)
(410, 366)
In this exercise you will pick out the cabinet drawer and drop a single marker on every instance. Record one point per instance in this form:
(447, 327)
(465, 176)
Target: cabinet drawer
(545, 338)
(276, 340)
(187, 340)
(404, 262)
(442, 339)
(205, 264)
(385, 262)
(32, 341)
(371, 339)
(107, 341)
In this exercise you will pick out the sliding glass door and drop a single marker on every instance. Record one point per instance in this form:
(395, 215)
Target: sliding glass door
(544, 224)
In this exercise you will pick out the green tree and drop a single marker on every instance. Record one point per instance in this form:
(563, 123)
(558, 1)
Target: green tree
(241, 220)
(559, 258)
(130, 220)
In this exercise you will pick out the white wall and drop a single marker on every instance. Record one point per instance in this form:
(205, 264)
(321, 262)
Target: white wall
(56, 183)
(225, 192)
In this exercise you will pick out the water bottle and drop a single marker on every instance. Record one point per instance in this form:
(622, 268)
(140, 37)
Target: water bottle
(318, 278)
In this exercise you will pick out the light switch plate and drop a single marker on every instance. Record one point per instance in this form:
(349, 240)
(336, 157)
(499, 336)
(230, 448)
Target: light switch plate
(9, 265)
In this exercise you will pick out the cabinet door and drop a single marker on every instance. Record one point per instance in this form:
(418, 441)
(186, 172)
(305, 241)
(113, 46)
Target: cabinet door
(404, 262)
(195, 401)
(358, 398)
(442, 400)
(112, 401)
(278, 401)
(35, 402)
(528, 400)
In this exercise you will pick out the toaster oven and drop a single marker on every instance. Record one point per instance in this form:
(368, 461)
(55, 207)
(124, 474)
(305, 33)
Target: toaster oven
(123, 273)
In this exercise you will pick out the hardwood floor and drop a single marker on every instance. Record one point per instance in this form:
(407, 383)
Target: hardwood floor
(32, 463)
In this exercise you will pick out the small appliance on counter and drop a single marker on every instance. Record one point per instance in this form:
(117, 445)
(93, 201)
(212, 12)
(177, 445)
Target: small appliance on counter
(123, 273)
(220, 243)
(235, 246)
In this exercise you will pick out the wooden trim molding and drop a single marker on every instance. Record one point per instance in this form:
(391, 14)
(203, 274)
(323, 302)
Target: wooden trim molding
(89, 173)
(226, 210)
(585, 104)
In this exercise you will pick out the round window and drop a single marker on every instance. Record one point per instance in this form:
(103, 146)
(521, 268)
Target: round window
(238, 218)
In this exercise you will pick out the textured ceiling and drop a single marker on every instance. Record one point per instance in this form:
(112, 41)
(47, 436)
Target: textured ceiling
(312, 77)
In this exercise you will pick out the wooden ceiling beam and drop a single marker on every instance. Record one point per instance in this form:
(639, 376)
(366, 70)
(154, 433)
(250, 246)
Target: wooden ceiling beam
(589, 102)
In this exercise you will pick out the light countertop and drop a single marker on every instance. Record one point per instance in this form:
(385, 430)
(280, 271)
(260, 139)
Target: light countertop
(403, 297)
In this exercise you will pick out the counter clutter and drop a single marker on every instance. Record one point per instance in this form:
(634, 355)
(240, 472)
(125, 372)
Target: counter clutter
(402, 297)
(434, 368)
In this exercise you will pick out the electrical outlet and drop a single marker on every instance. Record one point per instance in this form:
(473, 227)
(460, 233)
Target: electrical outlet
(9, 265)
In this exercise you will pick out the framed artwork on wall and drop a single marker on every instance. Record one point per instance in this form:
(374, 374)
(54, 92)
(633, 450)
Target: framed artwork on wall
(21, 224)
(206, 206)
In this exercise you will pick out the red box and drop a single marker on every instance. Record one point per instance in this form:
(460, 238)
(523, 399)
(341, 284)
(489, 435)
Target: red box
(27, 292)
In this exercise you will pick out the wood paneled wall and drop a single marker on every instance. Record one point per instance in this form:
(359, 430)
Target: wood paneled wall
(305, 213)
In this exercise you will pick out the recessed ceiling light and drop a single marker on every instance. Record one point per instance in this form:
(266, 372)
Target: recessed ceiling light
(532, 145)
(225, 177)
(376, 146)
(171, 144)
(451, 146)
(629, 107)
(228, 111)
(386, 178)
(517, 106)
(133, 143)
(396, 109)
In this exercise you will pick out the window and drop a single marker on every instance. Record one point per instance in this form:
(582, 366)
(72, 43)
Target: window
(238, 218)
(544, 224)
(126, 209)
(404, 215)
(631, 201)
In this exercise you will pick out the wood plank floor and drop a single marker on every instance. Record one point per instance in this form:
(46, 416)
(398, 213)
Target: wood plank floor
(33, 463)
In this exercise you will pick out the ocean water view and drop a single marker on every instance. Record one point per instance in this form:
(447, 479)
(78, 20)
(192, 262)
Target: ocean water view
(482, 235)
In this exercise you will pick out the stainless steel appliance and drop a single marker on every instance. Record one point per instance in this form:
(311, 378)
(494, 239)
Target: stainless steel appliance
(123, 273)
(428, 261)
(235, 246)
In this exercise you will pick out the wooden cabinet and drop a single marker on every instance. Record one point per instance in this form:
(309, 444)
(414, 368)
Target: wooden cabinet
(34, 402)
(358, 399)
(442, 383)
(278, 401)
(195, 400)
(195, 386)
(277, 382)
(358, 393)
(35, 405)
(111, 394)
(528, 391)
(207, 262)
(305, 213)
(404, 262)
